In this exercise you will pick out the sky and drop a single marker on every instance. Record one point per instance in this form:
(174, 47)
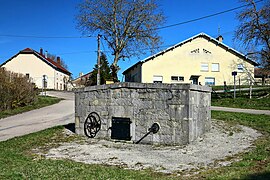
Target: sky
(57, 18)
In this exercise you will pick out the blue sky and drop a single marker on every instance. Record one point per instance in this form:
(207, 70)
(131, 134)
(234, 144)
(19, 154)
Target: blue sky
(56, 18)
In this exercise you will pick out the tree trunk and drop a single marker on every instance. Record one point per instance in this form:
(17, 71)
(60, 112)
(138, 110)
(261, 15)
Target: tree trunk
(114, 69)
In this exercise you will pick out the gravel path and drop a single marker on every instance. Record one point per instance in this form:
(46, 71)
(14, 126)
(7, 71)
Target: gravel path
(208, 151)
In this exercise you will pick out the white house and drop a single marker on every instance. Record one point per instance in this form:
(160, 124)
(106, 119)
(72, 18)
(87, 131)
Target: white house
(40, 69)
(199, 59)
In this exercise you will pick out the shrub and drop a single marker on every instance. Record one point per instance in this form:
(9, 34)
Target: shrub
(15, 90)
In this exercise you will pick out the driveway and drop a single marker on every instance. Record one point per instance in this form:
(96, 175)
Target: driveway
(58, 114)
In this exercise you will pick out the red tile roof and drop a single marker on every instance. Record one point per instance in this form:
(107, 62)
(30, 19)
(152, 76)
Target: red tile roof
(48, 60)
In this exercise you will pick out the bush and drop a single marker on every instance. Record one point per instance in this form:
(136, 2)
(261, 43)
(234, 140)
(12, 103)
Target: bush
(16, 90)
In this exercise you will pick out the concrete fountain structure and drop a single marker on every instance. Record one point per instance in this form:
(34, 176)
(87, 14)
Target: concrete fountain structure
(126, 111)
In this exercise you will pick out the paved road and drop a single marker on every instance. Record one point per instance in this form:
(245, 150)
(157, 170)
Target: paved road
(39, 119)
(250, 111)
(242, 89)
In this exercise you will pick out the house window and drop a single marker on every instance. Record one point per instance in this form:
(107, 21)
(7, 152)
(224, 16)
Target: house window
(210, 81)
(240, 67)
(157, 79)
(215, 67)
(177, 78)
(174, 78)
(204, 67)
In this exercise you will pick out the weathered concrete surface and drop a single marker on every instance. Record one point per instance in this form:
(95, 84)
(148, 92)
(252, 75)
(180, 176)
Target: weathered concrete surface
(58, 114)
(182, 110)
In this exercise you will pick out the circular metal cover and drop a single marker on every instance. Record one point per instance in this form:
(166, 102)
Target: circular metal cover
(154, 128)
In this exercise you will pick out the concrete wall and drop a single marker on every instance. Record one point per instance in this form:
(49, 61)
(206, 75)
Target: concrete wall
(182, 110)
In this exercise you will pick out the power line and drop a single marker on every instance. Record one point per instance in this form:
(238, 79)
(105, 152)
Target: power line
(159, 28)
(80, 52)
(45, 37)
(204, 17)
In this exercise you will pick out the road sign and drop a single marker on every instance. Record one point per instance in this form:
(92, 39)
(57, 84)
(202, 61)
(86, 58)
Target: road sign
(234, 73)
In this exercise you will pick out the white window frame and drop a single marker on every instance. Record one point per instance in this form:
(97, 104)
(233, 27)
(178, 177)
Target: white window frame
(207, 82)
(177, 78)
(157, 79)
(215, 67)
(204, 67)
(240, 68)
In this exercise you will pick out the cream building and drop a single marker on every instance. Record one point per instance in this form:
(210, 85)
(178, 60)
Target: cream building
(199, 59)
(40, 69)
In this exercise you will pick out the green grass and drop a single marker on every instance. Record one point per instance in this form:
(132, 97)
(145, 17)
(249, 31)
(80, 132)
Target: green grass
(41, 102)
(18, 162)
(259, 100)
(255, 164)
(259, 122)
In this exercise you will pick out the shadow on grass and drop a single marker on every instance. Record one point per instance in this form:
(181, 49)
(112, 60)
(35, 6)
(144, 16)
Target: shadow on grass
(259, 176)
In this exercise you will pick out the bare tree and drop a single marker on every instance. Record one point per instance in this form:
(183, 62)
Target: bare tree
(254, 29)
(126, 25)
(54, 58)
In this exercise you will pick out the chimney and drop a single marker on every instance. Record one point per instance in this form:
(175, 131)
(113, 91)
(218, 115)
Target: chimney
(41, 51)
(220, 38)
(46, 54)
(58, 60)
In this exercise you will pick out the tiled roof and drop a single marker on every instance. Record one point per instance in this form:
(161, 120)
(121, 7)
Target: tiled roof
(47, 60)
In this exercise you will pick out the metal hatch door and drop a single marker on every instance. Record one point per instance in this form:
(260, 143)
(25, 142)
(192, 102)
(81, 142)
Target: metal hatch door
(120, 128)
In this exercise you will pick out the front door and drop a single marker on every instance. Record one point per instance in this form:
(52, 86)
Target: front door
(195, 81)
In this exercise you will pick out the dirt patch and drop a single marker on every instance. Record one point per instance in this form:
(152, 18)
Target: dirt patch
(212, 149)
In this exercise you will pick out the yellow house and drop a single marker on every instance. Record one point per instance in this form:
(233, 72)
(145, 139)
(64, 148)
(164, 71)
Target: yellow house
(200, 59)
(40, 69)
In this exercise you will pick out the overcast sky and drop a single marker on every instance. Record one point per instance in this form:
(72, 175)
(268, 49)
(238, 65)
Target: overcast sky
(56, 18)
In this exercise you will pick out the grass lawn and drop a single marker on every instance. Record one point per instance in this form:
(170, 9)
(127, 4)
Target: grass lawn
(260, 100)
(17, 160)
(254, 164)
(41, 102)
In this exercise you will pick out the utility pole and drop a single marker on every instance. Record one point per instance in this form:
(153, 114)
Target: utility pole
(98, 60)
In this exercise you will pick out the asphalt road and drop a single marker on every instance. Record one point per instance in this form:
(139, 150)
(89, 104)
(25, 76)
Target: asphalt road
(249, 111)
(58, 114)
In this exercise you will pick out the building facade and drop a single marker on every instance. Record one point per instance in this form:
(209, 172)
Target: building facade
(40, 69)
(200, 59)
